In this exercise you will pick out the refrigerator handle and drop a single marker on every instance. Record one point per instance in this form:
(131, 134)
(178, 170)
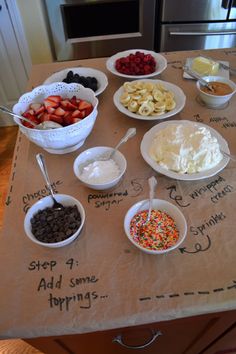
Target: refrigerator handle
(201, 33)
(225, 4)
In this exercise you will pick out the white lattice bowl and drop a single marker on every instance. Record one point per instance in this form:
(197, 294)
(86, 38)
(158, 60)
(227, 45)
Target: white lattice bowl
(62, 140)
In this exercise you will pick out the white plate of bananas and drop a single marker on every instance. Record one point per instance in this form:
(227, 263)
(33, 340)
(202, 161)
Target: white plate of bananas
(149, 99)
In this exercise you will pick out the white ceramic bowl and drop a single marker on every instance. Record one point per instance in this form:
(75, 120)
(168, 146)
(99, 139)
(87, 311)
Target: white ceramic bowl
(162, 205)
(161, 63)
(213, 100)
(99, 75)
(45, 202)
(62, 140)
(179, 97)
(91, 155)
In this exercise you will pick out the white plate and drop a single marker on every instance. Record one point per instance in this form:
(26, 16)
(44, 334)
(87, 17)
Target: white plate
(99, 75)
(161, 63)
(180, 99)
(149, 136)
(221, 72)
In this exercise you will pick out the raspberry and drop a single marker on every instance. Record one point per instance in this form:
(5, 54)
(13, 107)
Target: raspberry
(136, 64)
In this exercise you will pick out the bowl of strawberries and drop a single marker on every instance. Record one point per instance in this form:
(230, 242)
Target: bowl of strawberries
(72, 106)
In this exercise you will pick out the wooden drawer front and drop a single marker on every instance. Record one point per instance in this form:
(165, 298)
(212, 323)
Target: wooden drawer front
(177, 338)
(225, 344)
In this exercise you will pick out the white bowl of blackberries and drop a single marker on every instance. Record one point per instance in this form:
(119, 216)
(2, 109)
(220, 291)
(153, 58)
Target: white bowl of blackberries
(91, 78)
(53, 227)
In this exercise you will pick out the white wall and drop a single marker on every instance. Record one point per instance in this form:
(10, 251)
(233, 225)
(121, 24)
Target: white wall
(35, 26)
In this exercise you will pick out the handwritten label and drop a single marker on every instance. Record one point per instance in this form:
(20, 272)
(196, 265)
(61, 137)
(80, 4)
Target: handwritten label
(84, 298)
(30, 198)
(106, 200)
(213, 220)
(215, 188)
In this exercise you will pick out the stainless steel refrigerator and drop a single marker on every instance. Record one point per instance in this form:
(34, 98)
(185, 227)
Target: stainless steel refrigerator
(195, 24)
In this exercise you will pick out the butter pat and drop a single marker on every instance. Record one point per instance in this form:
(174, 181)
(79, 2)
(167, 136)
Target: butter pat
(204, 66)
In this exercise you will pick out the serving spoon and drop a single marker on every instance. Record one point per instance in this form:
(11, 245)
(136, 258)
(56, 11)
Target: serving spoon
(129, 134)
(232, 157)
(107, 156)
(41, 126)
(198, 77)
(152, 182)
(43, 168)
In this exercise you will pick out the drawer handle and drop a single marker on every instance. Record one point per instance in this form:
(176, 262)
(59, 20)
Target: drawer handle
(118, 339)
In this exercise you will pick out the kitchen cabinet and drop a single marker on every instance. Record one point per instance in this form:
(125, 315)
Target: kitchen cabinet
(189, 336)
(226, 344)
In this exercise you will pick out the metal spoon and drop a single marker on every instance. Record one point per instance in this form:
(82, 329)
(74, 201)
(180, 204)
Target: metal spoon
(152, 185)
(232, 157)
(198, 77)
(129, 134)
(107, 156)
(42, 126)
(43, 168)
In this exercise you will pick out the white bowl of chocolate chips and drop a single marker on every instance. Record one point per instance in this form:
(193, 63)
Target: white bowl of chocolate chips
(49, 227)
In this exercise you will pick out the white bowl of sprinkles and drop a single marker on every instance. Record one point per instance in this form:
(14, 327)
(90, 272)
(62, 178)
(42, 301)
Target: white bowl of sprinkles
(167, 230)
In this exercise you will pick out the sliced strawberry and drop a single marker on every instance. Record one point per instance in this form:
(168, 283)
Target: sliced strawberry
(66, 104)
(31, 111)
(44, 117)
(67, 119)
(40, 110)
(35, 106)
(56, 99)
(88, 110)
(75, 120)
(84, 105)
(55, 118)
(76, 114)
(74, 101)
(50, 103)
(50, 109)
(59, 111)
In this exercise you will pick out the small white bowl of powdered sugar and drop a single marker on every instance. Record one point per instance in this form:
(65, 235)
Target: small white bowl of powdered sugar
(98, 172)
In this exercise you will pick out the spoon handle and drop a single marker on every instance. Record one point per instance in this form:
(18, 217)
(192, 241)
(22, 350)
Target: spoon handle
(152, 185)
(43, 168)
(129, 134)
(6, 110)
(232, 157)
(197, 77)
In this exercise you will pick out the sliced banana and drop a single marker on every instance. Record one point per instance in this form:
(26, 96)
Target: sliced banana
(125, 97)
(147, 98)
(170, 104)
(133, 106)
(146, 109)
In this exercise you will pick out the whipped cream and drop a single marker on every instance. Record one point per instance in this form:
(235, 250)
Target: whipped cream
(100, 171)
(185, 148)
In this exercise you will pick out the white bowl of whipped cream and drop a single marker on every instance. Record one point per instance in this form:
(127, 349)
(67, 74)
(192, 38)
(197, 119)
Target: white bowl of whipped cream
(184, 150)
(95, 172)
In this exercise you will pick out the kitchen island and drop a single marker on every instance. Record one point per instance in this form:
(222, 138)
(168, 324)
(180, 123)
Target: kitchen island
(95, 288)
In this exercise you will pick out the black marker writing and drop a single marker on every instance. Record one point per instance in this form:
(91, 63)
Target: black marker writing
(177, 198)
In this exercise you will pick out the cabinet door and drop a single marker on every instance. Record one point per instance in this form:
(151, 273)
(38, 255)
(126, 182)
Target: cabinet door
(225, 344)
(177, 337)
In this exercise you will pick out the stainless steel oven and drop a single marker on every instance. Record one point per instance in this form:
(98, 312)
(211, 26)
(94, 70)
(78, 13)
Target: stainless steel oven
(99, 28)
(195, 24)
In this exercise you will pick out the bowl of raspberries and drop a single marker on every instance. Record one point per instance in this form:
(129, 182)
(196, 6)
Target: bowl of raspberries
(136, 64)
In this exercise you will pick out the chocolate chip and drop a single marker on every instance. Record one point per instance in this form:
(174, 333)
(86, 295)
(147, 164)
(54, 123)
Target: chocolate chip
(50, 225)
